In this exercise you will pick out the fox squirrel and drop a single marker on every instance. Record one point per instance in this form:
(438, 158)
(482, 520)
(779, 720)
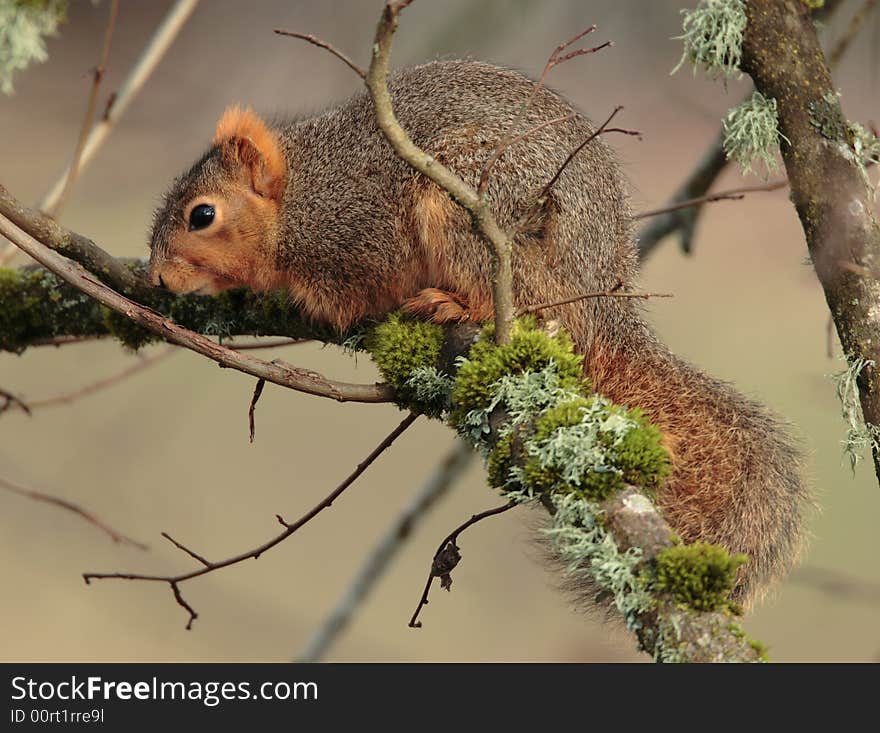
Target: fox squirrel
(323, 208)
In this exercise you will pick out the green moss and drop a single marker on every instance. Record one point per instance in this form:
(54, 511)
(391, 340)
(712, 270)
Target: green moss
(127, 332)
(35, 304)
(699, 576)
(530, 349)
(760, 649)
(401, 347)
(592, 447)
(14, 313)
(641, 456)
(499, 463)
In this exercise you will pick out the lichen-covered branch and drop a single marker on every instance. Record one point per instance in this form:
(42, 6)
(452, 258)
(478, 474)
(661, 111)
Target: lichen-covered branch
(831, 191)
(682, 212)
(549, 440)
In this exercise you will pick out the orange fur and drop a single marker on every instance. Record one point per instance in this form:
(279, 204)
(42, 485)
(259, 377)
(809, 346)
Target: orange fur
(438, 306)
(434, 214)
(269, 166)
(232, 254)
(710, 443)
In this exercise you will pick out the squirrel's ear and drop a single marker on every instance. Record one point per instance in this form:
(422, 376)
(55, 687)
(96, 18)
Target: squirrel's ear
(247, 141)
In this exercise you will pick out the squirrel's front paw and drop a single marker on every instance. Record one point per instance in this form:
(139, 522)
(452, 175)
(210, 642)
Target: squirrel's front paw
(438, 306)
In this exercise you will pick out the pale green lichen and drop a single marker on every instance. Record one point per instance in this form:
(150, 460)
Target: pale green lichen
(585, 547)
(430, 388)
(573, 443)
(712, 37)
(592, 447)
(669, 645)
(523, 396)
(865, 143)
(530, 349)
(751, 133)
(23, 26)
(859, 435)
(866, 147)
(354, 342)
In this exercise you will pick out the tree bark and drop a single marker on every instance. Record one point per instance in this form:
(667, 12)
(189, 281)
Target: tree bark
(829, 187)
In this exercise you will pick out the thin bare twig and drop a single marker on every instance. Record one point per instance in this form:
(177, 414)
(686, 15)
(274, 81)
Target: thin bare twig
(443, 478)
(301, 380)
(448, 556)
(541, 198)
(149, 59)
(315, 41)
(55, 210)
(117, 537)
(614, 292)
(67, 397)
(184, 548)
(10, 401)
(603, 128)
(733, 194)
(289, 529)
(508, 139)
(499, 151)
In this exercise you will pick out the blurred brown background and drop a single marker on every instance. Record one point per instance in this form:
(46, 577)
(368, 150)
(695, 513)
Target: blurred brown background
(168, 450)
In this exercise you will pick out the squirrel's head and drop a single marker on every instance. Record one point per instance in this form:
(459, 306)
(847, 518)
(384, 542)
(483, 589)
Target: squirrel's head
(218, 227)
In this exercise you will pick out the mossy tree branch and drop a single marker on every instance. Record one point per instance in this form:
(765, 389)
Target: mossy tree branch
(830, 190)
(154, 322)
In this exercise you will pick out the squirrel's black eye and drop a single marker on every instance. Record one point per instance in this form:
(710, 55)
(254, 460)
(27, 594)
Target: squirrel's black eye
(201, 216)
